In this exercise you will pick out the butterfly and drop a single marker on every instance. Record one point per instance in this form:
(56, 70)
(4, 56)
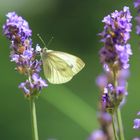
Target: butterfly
(60, 67)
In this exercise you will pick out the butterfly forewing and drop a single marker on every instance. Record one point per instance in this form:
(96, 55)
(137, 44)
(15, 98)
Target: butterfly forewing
(60, 67)
(74, 62)
(56, 70)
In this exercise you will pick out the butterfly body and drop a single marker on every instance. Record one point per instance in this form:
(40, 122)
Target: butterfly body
(60, 67)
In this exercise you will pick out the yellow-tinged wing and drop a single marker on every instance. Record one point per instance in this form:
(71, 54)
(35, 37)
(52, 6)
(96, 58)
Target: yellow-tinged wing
(60, 67)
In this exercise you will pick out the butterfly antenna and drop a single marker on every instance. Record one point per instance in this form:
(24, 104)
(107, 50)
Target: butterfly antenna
(50, 41)
(42, 40)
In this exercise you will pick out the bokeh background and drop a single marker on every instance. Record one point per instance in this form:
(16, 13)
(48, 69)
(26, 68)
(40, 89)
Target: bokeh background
(65, 112)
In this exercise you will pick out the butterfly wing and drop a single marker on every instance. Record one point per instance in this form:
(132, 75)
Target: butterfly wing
(56, 70)
(75, 63)
(60, 67)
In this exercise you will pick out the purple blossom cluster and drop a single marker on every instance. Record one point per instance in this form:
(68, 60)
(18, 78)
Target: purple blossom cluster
(17, 30)
(137, 3)
(136, 139)
(137, 6)
(115, 58)
(116, 51)
(137, 125)
(98, 135)
(137, 122)
(112, 97)
(104, 117)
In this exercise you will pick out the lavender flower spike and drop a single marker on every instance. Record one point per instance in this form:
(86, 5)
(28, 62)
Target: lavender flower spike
(116, 51)
(137, 6)
(114, 56)
(17, 30)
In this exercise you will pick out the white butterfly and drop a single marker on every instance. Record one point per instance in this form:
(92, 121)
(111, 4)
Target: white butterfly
(60, 67)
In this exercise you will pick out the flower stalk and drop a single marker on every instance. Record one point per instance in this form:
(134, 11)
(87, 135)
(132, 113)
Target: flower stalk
(33, 119)
(118, 112)
(120, 124)
(114, 127)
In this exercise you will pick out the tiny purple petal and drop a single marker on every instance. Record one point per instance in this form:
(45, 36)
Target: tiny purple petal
(136, 124)
(136, 139)
(120, 90)
(101, 81)
(98, 135)
(138, 113)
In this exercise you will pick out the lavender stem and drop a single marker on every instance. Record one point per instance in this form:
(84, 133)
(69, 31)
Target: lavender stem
(120, 125)
(33, 119)
(114, 129)
(118, 112)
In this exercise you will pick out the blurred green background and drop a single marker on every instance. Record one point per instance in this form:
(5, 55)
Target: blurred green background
(65, 112)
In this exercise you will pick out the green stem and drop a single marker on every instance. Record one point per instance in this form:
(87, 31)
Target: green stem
(118, 112)
(114, 129)
(120, 126)
(33, 119)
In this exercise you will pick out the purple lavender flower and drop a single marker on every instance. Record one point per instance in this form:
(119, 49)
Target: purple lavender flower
(98, 135)
(136, 124)
(107, 103)
(138, 113)
(102, 80)
(122, 77)
(112, 97)
(17, 30)
(104, 118)
(120, 91)
(137, 3)
(33, 86)
(137, 6)
(136, 139)
(114, 56)
(38, 82)
(116, 51)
